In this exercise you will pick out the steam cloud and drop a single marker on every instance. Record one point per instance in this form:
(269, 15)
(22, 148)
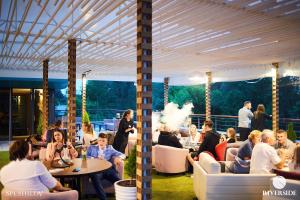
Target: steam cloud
(172, 116)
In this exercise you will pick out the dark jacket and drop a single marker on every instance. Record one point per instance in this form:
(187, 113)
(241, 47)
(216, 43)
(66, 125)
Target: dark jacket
(258, 121)
(168, 139)
(209, 143)
(121, 138)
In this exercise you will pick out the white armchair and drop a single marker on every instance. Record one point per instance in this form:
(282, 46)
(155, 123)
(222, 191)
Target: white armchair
(170, 159)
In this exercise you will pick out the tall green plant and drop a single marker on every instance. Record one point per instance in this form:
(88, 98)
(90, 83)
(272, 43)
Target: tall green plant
(130, 166)
(39, 128)
(291, 132)
(86, 118)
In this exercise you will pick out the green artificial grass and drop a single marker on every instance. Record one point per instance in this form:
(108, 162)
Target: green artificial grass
(163, 186)
(3, 161)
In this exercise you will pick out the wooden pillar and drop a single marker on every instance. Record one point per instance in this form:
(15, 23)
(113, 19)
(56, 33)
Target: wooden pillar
(72, 89)
(45, 95)
(144, 99)
(83, 94)
(207, 96)
(275, 97)
(166, 91)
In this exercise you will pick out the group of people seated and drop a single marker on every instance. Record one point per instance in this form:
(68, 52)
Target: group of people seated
(23, 173)
(260, 153)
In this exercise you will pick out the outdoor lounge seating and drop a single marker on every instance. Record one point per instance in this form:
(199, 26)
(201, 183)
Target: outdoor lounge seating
(170, 159)
(210, 183)
(17, 195)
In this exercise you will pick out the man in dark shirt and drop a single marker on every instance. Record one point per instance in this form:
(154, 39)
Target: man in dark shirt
(169, 139)
(210, 141)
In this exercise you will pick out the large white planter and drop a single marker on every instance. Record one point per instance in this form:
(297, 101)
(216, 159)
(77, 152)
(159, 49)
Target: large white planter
(123, 192)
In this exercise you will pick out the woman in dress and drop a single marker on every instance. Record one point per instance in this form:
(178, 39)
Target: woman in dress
(125, 127)
(194, 134)
(89, 135)
(231, 134)
(259, 118)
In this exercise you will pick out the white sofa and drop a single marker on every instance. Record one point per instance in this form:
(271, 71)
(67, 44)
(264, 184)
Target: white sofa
(170, 159)
(210, 183)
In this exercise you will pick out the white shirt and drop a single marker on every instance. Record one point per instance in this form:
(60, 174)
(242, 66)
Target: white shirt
(263, 159)
(88, 138)
(245, 116)
(196, 138)
(26, 175)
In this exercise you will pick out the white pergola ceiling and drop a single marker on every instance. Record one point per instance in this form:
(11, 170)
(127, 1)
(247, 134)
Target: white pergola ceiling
(234, 39)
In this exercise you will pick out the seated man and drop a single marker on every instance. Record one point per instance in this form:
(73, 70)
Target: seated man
(107, 152)
(210, 141)
(264, 156)
(167, 138)
(284, 143)
(27, 175)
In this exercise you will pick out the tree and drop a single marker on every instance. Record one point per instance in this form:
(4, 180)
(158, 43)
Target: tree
(130, 166)
(86, 118)
(291, 133)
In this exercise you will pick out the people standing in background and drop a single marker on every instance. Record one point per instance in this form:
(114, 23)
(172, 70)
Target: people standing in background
(245, 116)
(125, 127)
(259, 118)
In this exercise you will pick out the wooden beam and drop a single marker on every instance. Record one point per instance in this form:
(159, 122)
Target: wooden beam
(166, 91)
(144, 99)
(275, 97)
(207, 96)
(45, 95)
(72, 89)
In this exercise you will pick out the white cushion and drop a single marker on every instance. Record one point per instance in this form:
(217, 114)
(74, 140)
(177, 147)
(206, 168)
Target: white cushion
(209, 164)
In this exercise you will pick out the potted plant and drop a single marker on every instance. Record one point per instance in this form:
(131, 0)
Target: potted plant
(291, 132)
(126, 189)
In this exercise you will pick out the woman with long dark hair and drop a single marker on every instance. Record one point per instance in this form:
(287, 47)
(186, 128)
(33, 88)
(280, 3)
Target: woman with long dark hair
(125, 127)
(259, 118)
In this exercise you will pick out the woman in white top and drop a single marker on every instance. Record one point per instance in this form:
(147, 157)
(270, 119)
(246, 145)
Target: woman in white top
(21, 174)
(89, 135)
(54, 148)
(194, 134)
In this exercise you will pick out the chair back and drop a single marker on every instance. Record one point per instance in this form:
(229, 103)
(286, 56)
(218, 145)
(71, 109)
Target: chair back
(220, 151)
(231, 153)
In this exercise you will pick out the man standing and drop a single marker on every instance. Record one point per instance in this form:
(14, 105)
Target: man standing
(264, 156)
(245, 116)
(284, 143)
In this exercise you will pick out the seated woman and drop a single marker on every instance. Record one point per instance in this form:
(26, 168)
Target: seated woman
(194, 134)
(231, 134)
(167, 138)
(241, 165)
(55, 147)
(89, 135)
(22, 174)
(295, 164)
